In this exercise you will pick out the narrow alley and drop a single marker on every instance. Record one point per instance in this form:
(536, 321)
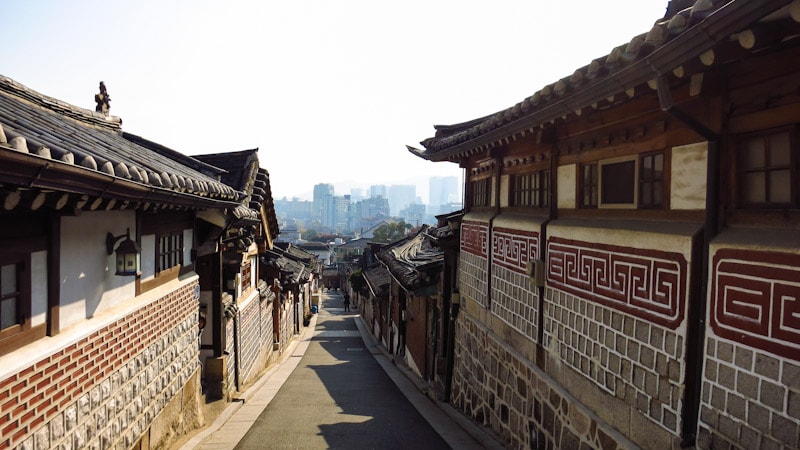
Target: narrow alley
(336, 389)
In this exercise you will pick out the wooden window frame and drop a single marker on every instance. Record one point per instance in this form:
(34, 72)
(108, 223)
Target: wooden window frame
(588, 190)
(648, 185)
(767, 169)
(481, 192)
(18, 252)
(171, 256)
(530, 189)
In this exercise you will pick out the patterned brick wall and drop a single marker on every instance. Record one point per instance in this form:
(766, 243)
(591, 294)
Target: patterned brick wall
(646, 283)
(106, 389)
(751, 398)
(230, 355)
(256, 335)
(497, 387)
(612, 314)
(751, 377)
(638, 362)
(514, 299)
(473, 261)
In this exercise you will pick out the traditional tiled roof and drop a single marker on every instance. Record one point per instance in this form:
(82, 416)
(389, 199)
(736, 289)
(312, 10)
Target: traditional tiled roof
(315, 246)
(243, 173)
(294, 253)
(47, 145)
(377, 279)
(413, 261)
(354, 243)
(694, 35)
(296, 271)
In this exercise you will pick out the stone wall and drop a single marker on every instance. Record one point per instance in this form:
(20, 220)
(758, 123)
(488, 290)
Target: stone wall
(134, 378)
(497, 387)
(751, 376)
(256, 336)
(637, 364)
(514, 300)
(474, 261)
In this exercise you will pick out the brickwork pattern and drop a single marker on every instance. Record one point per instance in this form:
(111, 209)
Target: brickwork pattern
(256, 333)
(473, 277)
(496, 387)
(636, 361)
(514, 300)
(750, 398)
(230, 355)
(104, 390)
(286, 323)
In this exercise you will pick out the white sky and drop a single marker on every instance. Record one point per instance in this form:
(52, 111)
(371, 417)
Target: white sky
(329, 91)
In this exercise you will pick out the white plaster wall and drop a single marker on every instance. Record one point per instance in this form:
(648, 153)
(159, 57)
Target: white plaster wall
(188, 244)
(38, 288)
(505, 182)
(665, 236)
(566, 186)
(87, 274)
(688, 189)
(148, 259)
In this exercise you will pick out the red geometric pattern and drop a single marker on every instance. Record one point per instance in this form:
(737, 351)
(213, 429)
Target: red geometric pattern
(649, 284)
(755, 299)
(512, 249)
(475, 237)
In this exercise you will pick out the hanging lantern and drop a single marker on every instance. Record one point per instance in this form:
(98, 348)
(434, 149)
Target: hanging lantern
(128, 254)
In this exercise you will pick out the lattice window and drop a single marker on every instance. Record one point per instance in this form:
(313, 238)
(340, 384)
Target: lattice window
(530, 189)
(481, 192)
(768, 170)
(651, 181)
(169, 250)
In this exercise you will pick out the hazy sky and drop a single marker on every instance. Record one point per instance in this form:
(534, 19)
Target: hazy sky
(329, 91)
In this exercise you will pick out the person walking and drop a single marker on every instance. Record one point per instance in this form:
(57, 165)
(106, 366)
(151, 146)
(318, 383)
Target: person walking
(346, 302)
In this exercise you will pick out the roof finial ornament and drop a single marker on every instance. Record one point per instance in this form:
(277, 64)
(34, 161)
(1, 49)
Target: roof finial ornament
(102, 99)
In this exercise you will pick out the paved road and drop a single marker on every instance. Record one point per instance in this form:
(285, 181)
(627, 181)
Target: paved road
(339, 397)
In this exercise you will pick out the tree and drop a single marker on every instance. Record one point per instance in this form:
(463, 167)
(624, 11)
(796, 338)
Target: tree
(357, 282)
(390, 232)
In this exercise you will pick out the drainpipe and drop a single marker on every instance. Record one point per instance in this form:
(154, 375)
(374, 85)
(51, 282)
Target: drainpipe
(696, 314)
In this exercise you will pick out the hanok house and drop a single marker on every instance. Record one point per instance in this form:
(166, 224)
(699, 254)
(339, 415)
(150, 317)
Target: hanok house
(415, 266)
(295, 273)
(98, 289)
(235, 295)
(630, 254)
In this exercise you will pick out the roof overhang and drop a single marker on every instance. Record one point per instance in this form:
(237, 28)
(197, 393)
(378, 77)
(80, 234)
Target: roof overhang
(25, 170)
(718, 26)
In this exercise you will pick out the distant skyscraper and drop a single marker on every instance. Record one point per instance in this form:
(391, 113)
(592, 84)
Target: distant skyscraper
(400, 196)
(356, 194)
(323, 201)
(378, 190)
(443, 190)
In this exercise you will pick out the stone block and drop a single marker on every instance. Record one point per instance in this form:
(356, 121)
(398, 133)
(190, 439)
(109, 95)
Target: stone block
(747, 385)
(725, 351)
(757, 416)
(727, 377)
(772, 395)
(791, 375)
(736, 406)
(744, 358)
(784, 431)
(793, 405)
(767, 366)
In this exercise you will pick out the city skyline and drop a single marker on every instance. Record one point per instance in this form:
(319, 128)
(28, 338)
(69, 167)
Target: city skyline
(422, 183)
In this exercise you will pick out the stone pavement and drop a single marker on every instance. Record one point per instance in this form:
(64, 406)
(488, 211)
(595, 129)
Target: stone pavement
(234, 422)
